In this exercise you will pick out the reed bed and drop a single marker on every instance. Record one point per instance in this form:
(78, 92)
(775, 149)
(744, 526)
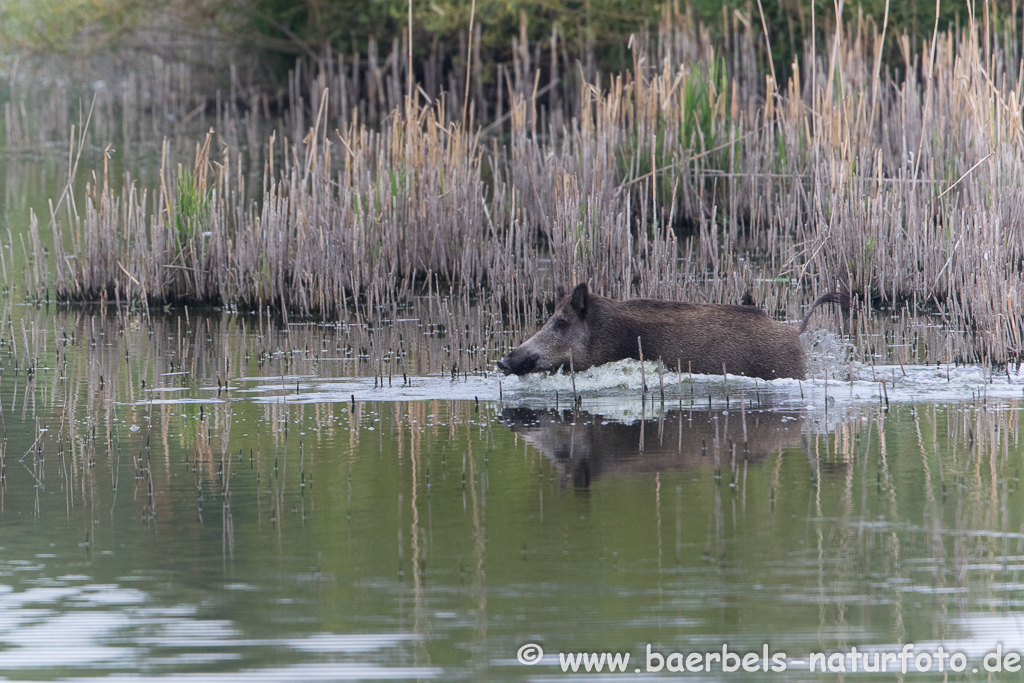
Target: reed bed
(694, 176)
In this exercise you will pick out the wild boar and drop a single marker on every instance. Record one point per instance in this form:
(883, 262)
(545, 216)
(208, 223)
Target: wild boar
(587, 330)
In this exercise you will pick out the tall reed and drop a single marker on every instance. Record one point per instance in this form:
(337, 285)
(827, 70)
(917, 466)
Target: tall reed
(694, 175)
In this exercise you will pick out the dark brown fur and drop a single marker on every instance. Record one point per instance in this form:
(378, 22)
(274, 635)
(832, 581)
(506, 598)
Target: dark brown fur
(588, 330)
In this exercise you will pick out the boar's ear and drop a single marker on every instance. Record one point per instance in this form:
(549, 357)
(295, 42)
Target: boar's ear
(559, 293)
(580, 299)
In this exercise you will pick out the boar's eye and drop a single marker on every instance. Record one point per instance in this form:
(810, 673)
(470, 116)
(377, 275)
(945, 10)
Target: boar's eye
(561, 324)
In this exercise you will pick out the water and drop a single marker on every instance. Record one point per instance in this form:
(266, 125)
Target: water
(224, 498)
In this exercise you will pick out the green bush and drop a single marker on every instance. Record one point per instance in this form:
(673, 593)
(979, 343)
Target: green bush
(280, 30)
(56, 26)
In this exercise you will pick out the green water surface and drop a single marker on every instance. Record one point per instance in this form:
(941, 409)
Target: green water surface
(204, 532)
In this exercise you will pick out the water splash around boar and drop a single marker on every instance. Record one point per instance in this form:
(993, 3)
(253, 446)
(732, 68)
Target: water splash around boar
(588, 330)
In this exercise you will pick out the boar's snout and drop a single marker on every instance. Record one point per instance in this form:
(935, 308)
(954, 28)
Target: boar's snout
(518, 363)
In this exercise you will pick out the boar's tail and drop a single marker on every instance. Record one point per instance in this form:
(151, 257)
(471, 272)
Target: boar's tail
(831, 298)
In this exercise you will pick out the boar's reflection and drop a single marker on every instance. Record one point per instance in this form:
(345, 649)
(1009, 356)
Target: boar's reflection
(583, 446)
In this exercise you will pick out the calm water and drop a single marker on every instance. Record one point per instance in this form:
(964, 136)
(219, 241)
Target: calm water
(223, 498)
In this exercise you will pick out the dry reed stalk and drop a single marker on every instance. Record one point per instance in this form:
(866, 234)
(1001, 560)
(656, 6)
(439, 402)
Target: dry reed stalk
(687, 177)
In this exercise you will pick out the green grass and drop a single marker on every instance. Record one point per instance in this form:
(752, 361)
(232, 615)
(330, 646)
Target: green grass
(191, 208)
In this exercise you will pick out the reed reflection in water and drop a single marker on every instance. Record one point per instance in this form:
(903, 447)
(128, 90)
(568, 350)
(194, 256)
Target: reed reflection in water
(189, 470)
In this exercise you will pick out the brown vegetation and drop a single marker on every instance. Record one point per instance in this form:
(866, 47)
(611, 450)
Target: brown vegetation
(692, 177)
